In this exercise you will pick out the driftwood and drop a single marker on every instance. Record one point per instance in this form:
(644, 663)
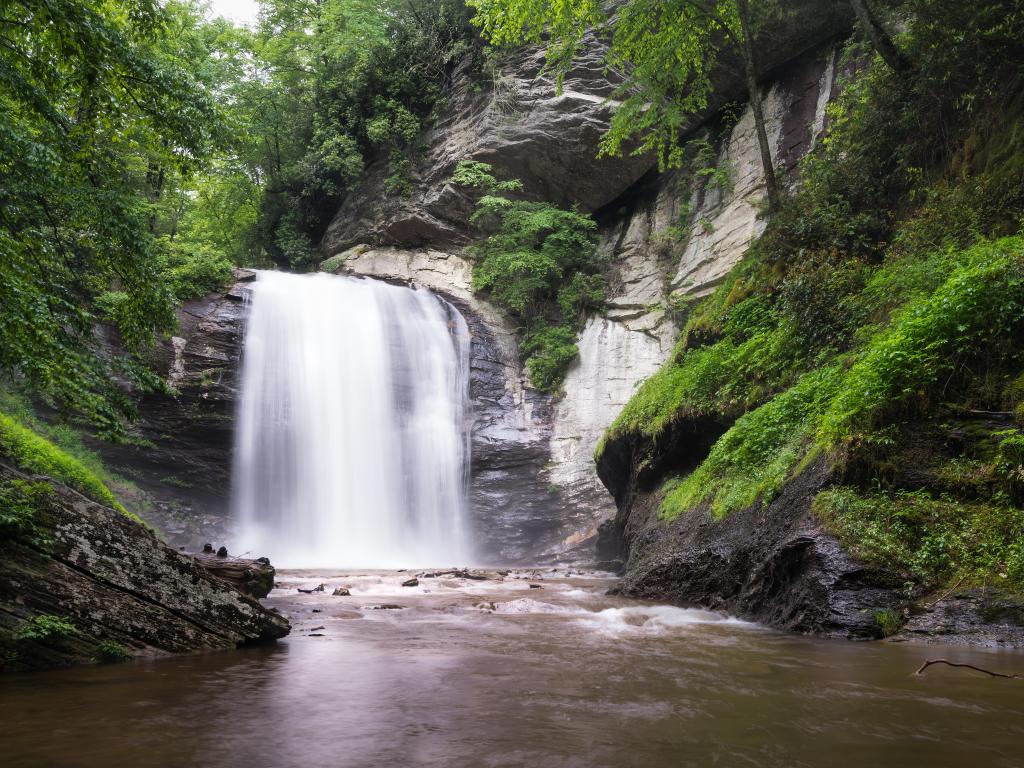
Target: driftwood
(250, 577)
(929, 662)
(317, 588)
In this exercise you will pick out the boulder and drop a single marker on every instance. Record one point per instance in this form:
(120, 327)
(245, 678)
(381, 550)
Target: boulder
(122, 591)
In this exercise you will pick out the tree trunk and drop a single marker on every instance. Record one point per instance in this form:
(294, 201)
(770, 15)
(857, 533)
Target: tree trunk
(747, 48)
(880, 39)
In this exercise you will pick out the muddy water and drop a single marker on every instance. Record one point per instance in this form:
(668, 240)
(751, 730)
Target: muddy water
(495, 673)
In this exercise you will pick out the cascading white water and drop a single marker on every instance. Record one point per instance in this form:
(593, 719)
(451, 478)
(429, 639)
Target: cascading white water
(351, 445)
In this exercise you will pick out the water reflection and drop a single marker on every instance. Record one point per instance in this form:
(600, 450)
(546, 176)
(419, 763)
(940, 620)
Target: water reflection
(458, 678)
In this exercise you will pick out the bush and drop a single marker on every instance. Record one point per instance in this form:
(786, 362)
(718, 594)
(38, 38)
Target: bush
(551, 351)
(23, 505)
(45, 628)
(195, 269)
(539, 262)
(110, 652)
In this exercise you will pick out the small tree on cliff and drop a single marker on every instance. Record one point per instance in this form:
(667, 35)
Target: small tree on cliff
(666, 52)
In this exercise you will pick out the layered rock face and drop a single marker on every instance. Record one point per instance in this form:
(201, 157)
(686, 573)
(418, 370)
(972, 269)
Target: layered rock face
(115, 583)
(180, 454)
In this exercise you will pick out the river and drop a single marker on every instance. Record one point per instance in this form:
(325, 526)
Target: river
(498, 673)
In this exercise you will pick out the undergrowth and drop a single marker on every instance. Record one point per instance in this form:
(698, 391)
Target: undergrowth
(887, 288)
(31, 453)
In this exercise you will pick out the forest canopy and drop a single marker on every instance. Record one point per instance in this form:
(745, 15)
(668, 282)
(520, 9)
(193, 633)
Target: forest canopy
(145, 149)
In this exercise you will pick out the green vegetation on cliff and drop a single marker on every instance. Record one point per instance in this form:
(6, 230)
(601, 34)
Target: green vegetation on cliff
(540, 263)
(886, 294)
(33, 454)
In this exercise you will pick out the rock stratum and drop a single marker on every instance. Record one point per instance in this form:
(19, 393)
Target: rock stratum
(120, 591)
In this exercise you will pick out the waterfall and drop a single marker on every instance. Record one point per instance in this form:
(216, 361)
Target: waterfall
(351, 445)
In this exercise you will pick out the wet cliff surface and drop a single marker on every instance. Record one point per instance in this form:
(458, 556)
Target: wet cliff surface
(116, 588)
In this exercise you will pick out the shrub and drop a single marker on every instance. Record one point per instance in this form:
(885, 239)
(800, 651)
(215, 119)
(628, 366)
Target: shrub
(537, 261)
(196, 269)
(110, 651)
(45, 627)
(551, 351)
(22, 507)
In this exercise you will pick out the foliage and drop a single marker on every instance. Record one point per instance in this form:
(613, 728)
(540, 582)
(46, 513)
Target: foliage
(540, 263)
(192, 270)
(34, 454)
(888, 621)
(95, 110)
(757, 455)
(111, 651)
(935, 539)
(22, 508)
(551, 350)
(972, 315)
(978, 307)
(45, 627)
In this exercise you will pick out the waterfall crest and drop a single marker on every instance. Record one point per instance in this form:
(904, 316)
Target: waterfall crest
(351, 445)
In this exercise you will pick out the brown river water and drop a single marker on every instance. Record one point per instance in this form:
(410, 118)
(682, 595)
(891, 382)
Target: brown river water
(495, 673)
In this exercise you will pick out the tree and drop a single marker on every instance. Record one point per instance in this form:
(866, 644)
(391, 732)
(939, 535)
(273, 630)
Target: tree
(96, 110)
(880, 39)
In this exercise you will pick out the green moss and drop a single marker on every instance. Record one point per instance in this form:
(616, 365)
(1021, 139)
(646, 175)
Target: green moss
(758, 454)
(32, 453)
(936, 539)
(334, 263)
(980, 304)
(977, 307)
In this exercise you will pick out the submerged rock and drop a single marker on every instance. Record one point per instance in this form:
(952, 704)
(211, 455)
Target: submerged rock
(341, 592)
(98, 585)
(411, 583)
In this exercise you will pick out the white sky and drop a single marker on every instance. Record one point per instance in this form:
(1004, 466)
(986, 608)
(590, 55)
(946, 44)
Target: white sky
(239, 11)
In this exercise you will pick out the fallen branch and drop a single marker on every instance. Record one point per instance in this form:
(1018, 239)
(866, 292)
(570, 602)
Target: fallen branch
(929, 662)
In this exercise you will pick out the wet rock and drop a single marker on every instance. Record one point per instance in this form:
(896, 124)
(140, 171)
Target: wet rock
(251, 577)
(974, 617)
(385, 607)
(536, 586)
(771, 563)
(311, 590)
(411, 583)
(115, 582)
(341, 592)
